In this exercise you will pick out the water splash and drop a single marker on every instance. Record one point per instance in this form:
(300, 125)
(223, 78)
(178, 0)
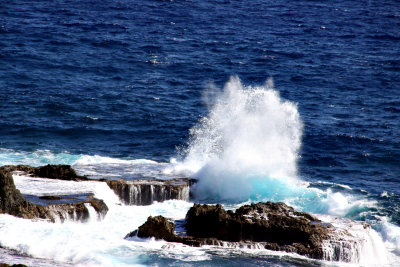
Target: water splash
(251, 137)
(354, 242)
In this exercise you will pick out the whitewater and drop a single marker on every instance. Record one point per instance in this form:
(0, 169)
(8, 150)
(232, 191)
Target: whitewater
(244, 151)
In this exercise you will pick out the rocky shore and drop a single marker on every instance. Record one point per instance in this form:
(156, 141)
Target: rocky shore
(62, 172)
(133, 192)
(273, 226)
(146, 192)
(14, 203)
(136, 192)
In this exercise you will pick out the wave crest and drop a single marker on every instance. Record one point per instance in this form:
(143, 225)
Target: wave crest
(250, 133)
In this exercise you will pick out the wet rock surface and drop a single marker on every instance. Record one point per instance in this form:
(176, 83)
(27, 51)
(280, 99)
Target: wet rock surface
(271, 222)
(14, 203)
(158, 227)
(146, 192)
(130, 192)
(273, 226)
(62, 207)
(62, 172)
(99, 206)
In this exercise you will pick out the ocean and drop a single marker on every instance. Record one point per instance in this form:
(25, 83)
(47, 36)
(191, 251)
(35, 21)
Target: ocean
(293, 101)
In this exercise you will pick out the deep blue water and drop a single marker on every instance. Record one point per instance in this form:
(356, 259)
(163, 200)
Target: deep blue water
(125, 78)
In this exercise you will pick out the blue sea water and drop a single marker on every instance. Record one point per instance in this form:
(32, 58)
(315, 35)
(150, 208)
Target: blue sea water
(128, 80)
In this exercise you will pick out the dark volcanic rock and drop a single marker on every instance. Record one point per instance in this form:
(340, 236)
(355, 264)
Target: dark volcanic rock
(99, 206)
(77, 211)
(62, 172)
(270, 222)
(212, 221)
(132, 192)
(157, 227)
(14, 203)
(273, 226)
(277, 225)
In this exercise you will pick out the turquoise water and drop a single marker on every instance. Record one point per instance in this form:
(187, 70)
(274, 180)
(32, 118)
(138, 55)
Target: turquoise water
(262, 100)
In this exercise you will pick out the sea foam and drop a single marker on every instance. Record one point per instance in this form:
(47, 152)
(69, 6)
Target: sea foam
(245, 149)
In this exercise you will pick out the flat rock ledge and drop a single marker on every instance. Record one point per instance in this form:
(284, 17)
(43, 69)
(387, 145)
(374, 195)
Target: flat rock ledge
(61, 172)
(146, 192)
(133, 192)
(14, 203)
(273, 226)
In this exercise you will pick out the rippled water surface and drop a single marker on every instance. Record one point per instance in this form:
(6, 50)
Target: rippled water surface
(128, 80)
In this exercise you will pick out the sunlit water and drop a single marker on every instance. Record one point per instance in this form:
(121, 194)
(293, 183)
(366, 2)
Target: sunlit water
(244, 151)
(160, 89)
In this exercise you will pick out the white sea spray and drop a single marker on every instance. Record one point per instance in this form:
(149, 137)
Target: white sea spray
(250, 136)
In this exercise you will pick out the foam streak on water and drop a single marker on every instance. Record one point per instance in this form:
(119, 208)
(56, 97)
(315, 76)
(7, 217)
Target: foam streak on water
(101, 243)
(246, 149)
(95, 243)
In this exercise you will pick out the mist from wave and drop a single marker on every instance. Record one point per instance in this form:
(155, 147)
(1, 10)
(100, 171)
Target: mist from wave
(251, 137)
(247, 148)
